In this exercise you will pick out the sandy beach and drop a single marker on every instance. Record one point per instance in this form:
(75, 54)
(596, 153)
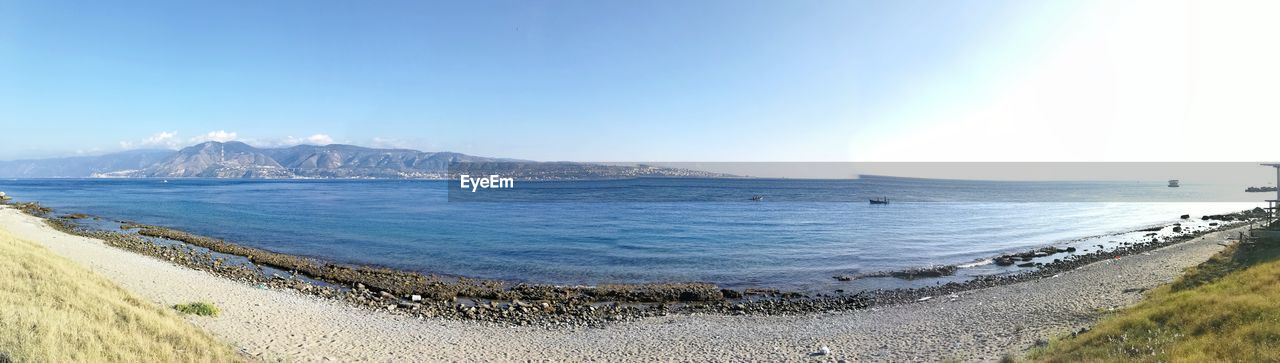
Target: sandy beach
(978, 325)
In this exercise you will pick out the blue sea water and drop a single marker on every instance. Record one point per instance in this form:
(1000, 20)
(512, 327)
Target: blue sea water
(641, 230)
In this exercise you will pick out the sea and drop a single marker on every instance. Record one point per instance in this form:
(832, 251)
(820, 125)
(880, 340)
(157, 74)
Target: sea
(737, 233)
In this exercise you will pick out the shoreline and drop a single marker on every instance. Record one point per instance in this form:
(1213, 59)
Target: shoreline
(978, 324)
(428, 295)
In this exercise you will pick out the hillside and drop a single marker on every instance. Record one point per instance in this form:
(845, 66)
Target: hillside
(239, 160)
(82, 166)
(53, 310)
(1225, 310)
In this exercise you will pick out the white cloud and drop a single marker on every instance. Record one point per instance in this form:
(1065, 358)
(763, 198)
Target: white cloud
(170, 140)
(315, 139)
(163, 139)
(319, 139)
(219, 136)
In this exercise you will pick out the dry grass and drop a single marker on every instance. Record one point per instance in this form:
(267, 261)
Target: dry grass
(54, 310)
(1225, 310)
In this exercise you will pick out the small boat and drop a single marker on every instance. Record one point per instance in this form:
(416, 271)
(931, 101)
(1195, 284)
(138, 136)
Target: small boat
(757, 198)
(1173, 183)
(882, 200)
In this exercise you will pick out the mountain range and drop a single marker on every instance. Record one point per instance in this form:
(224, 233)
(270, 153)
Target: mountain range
(239, 160)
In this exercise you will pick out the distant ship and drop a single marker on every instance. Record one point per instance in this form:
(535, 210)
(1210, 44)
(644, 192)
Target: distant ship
(1173, 183)
(883, 200)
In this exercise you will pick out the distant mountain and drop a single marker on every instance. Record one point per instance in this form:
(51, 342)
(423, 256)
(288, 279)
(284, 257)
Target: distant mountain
(217, 160)
(82, 166)
(239, 160)
(347, 161)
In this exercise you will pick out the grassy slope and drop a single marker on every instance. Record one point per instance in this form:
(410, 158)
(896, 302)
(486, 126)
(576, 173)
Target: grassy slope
(54, 310)
(1225, 310)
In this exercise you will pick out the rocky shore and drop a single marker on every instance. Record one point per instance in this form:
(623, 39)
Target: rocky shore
(1071, 262)
(285, 324)
(429, 296)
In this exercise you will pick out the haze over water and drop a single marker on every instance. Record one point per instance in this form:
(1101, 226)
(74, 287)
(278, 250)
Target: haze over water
(643, 230)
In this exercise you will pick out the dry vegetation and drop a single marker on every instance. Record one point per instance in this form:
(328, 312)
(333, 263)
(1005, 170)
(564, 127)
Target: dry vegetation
(1225, 310)
(198, 308)
(53, 310)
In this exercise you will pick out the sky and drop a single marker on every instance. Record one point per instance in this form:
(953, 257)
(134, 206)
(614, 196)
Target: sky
(650, 80)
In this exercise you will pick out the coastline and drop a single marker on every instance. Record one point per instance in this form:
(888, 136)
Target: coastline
(457, 297)
(1003, 318)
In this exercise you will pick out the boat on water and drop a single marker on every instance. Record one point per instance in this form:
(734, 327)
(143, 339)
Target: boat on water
(1173, 183)
(757, 198)
(882, 200)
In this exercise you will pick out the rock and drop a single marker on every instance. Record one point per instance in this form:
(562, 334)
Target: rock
(1004, 261)
(824, 350)
(842, 277)
(1027, 264)
(923, 272)
(761, 291)
(1186, 216)
(1082, 331)
(731, 293)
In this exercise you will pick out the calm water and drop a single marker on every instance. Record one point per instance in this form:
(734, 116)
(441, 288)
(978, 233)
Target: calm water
(643, 230)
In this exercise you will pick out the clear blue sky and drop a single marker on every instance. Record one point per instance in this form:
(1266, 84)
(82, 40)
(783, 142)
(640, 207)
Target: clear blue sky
(544, 80)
